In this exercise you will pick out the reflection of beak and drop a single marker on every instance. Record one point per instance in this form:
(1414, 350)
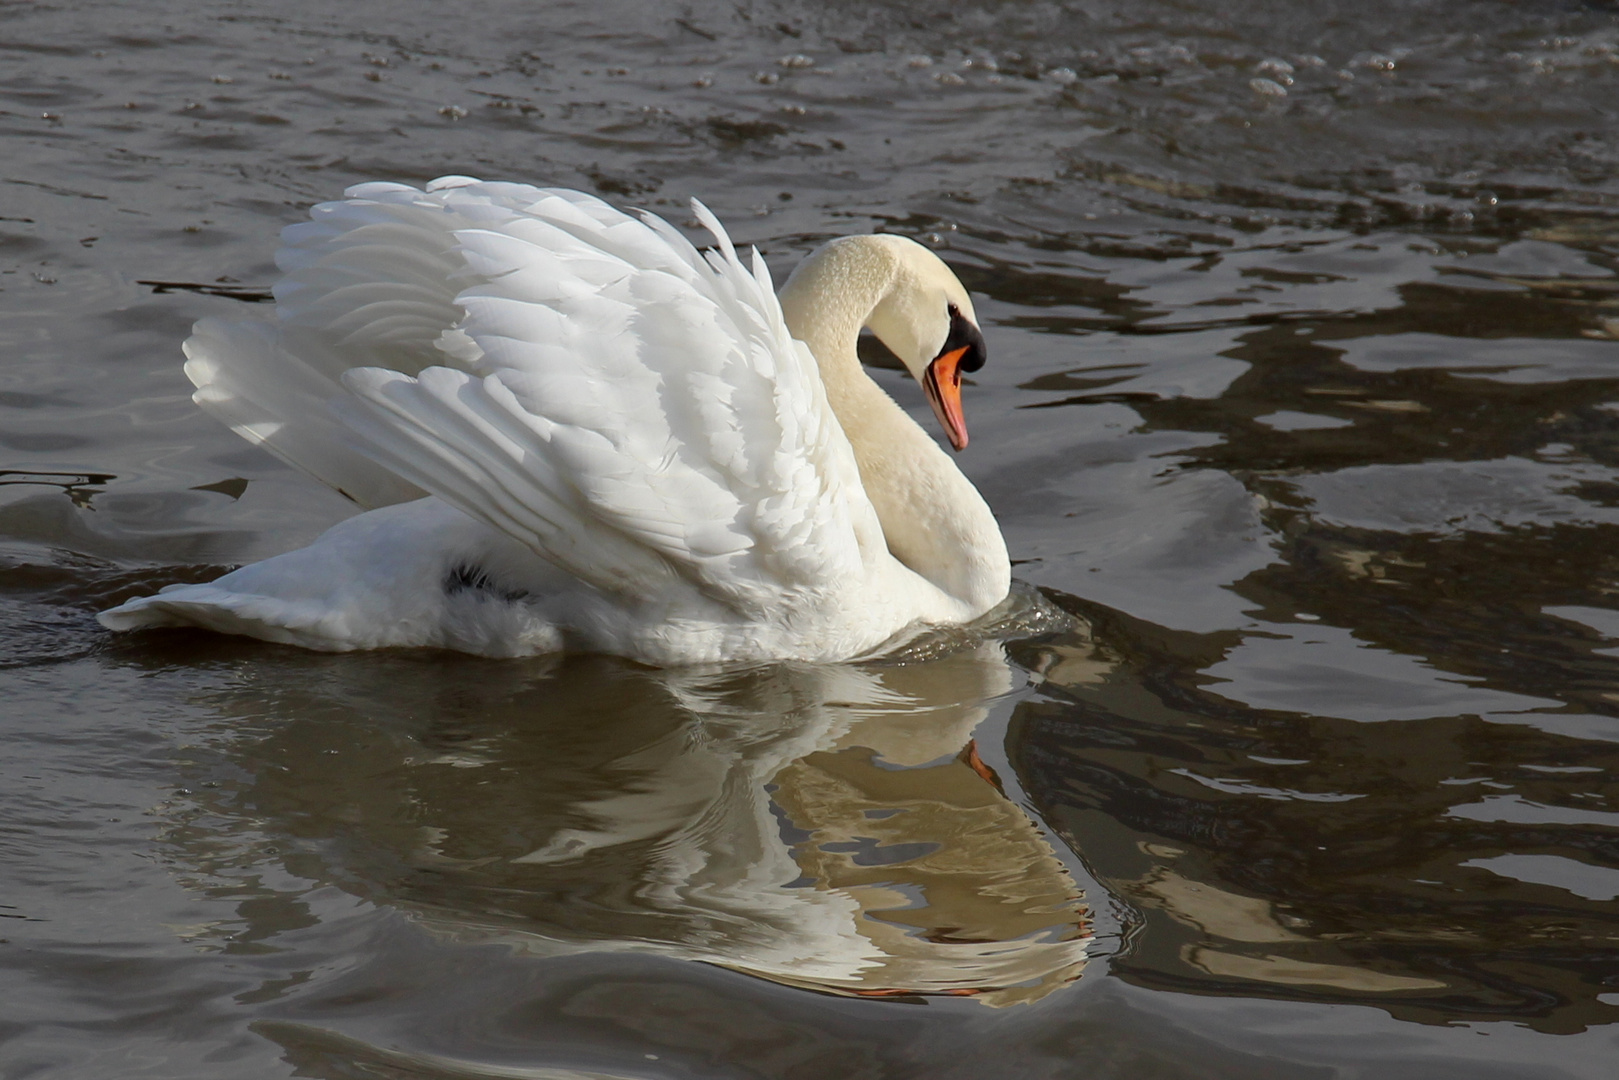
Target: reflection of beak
(942, 385)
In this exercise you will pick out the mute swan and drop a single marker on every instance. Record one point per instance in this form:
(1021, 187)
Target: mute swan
(571, 429)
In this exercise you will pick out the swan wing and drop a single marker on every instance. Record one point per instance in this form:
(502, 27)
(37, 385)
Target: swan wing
(587, 382)
(371, 279)
(251, 376)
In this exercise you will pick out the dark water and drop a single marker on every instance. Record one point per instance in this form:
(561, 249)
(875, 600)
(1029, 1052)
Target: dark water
(1303, 406)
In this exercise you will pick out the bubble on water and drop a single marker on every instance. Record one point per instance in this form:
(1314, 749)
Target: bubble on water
(1278, 70)
(920, 61)
(1062, 76)
(1267, 88)
(1375, 61)
(454, 112)
(796, 60)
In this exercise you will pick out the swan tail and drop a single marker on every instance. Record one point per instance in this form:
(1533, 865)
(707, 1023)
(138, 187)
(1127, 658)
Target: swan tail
(223, 611)
(417, 574)
(484, 629)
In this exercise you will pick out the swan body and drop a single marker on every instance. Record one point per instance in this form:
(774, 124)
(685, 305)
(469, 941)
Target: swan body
(572, 429)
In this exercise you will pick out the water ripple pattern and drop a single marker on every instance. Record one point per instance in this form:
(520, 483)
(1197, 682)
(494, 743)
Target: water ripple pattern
(1293, 758)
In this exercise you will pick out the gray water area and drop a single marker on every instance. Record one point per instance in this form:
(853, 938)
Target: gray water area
(1294, 759)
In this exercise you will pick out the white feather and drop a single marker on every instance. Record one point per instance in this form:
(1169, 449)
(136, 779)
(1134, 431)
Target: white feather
(631, 412)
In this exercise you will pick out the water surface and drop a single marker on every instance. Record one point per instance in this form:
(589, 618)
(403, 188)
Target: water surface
(1302, 421)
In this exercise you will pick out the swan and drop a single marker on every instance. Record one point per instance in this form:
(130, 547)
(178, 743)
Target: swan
(570, 429)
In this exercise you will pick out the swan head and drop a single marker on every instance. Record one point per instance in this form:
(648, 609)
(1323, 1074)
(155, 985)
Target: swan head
(926, 319)
(904, 294)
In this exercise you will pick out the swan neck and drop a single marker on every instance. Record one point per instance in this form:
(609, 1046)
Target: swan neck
(933, 519)
(830, 297)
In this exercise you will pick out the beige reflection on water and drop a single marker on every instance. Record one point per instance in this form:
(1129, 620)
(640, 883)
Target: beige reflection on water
(830, 827)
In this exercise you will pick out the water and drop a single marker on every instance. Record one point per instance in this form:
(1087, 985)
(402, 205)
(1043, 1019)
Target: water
(1302, 414)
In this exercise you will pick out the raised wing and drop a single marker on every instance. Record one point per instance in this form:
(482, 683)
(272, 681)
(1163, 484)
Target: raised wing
(254, 376)
(370, 280)
(587, 382)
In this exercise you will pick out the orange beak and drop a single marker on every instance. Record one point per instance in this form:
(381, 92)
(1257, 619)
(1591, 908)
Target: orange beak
(942, 385)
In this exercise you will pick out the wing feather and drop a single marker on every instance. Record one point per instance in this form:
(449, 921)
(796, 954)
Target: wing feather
(585, 380)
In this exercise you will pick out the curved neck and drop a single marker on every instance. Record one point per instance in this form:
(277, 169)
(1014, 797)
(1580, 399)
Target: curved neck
(934, 520)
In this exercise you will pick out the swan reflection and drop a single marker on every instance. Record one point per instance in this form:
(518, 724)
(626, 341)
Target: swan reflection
(830, 827)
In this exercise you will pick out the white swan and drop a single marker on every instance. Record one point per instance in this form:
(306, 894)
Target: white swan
(622, 446)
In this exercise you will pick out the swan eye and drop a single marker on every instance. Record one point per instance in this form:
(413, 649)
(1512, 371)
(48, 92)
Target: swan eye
(964, 335)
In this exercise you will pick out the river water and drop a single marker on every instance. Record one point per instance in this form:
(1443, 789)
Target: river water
(1301, 419)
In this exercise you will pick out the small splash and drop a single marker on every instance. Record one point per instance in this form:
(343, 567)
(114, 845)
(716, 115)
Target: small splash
(1025, 613)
